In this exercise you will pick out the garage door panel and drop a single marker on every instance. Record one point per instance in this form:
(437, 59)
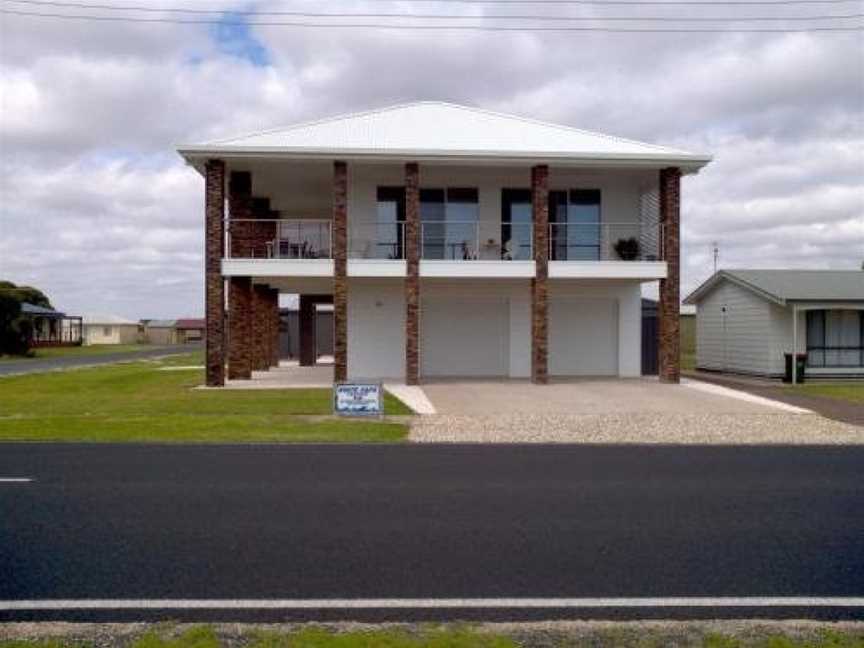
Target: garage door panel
(464, 336)
(583, 336)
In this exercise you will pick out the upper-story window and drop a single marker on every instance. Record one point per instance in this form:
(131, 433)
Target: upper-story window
(389, 235)
(575, 224)
(449, 221)
(516, 224)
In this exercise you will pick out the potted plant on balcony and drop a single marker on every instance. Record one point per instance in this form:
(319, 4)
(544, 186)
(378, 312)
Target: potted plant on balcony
(627, 249)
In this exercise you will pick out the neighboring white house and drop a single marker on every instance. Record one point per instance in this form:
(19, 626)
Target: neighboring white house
(452, 241)
(109, 329)
(747, 320)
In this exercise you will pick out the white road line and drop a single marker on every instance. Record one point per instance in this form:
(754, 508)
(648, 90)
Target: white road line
(15, 480)
(377, 604)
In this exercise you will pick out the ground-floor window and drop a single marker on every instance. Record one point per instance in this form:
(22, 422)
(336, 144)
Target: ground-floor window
(835, 338)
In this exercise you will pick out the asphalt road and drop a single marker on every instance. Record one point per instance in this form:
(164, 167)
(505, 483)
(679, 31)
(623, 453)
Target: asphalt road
(38, 365)
(432, 522)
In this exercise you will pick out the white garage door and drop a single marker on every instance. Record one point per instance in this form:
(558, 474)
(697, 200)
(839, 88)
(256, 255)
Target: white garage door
(583, 336)
(464, 336)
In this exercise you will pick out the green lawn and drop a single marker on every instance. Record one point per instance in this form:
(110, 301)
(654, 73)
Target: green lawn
(137, 402)
(611, 636)
(688, 361)
(90, 350)
(849, 392)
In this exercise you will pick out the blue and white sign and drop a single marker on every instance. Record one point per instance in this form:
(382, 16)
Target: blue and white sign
(358, 399)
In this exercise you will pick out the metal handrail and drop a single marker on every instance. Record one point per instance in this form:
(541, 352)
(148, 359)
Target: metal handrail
(602, 237)
(372, 246)
(316, 242)
(467, 251)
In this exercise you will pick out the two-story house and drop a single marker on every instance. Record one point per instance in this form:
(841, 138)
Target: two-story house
(451, 241)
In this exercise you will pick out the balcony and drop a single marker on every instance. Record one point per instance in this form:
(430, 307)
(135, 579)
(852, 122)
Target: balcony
(448, 248)
(604, 242)
(262, 238)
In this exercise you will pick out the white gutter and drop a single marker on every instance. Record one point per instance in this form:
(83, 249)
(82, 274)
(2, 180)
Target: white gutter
(692, 162)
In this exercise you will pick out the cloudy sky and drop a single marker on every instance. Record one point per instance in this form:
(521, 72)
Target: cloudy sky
(98, 210)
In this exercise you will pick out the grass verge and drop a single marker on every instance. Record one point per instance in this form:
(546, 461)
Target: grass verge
(624, 635)
(849, 392)
(138, 402)
(90, 350)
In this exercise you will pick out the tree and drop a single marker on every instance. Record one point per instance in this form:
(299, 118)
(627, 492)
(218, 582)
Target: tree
(16, 330)
(26, 294)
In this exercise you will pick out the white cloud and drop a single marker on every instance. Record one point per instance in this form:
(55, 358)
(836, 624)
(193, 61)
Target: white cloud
(96, 208)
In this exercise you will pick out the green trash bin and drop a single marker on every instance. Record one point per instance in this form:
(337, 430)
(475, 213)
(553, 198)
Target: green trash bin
(801, 362)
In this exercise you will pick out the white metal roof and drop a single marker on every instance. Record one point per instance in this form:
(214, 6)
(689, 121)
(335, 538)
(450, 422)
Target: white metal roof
(436, 130)
(105, 319)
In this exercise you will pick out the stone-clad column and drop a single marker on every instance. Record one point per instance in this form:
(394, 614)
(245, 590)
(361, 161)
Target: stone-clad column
(260, 328)
(340, 271)
(214, 285)
(306, 330)
(412, 276)
(539, 284)
(240, 299)
(274, 329)
(239, 328)
(669, 346)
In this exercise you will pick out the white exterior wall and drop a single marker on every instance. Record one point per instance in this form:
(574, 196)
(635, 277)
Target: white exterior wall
(781, 336)
(117, 333)
(474, 328)
(746, 343)
(595, 329)
(376, 329)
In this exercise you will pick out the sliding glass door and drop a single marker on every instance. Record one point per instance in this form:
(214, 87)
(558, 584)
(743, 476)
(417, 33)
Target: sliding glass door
(574, 218)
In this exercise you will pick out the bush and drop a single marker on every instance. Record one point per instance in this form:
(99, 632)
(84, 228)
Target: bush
(627, 249)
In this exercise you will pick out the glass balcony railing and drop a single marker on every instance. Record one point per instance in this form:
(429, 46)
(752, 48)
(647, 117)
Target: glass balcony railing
(604, 242)
(262, 238)
(445, 240)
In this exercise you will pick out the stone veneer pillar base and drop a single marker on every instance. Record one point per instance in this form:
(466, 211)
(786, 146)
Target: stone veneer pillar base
(239, 328)
(539, 285)
(260, 328)
(214, 284)
(275, 323)
(340, 271)
(669, 307)
(412, 276)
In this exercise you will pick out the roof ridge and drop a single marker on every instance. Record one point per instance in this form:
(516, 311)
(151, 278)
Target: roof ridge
(474, 109)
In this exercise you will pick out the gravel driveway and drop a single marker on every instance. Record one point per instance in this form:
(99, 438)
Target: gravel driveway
(617, 411)
(636, 428)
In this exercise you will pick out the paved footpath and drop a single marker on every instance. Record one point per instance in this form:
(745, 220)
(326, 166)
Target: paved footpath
(408, 532)
(38, 365)
(835, 409)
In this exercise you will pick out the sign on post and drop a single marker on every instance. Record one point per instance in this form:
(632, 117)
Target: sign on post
(358, 399)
